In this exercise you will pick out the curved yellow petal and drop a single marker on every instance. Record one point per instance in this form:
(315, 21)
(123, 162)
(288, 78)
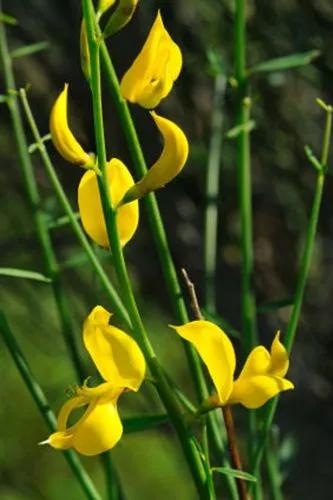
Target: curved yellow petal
(257, 363)
(279, 357)
(98, 430)
(169, 164)
(90, 207)
(215, 350)
(116, 355)
(62, 137)
(152, 74)
(262, 376)
(256, 391)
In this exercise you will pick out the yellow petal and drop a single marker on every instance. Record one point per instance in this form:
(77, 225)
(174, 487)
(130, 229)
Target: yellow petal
(169, 164)
(152, 74)
(116, 355)
(262, 376)
(215, 350)
(98, 430)
(257, 363)
(256, 391)
(90, 207)
(279, 358)
(62, 137)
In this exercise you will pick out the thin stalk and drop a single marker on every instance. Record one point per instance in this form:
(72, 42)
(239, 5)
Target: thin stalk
(249, 337)
(164, 389)
(44, 408)
(49, 258)
(273, 473)
(161, 241)
(303, 275)
(233, 449)
(212, 193)
(64, 202)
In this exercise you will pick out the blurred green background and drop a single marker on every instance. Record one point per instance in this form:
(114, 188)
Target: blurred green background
(150, 464)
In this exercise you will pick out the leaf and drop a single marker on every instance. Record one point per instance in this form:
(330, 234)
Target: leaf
(3, 98)
(285, 62)
(24, 274)
(144, 422)
(221, 322)
(7, 19)
(235, 473)
(244, 127)
(276, 304)
(27, 50)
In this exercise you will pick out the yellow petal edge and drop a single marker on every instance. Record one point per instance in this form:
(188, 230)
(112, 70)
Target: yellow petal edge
(215, 350)
(170, 163)
(116, 355)
(62, 137)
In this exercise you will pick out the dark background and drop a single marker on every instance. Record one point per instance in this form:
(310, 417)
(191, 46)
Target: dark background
(286, 118)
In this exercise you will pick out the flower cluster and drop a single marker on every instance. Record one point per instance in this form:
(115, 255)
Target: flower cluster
(116, 355)
(147, 82)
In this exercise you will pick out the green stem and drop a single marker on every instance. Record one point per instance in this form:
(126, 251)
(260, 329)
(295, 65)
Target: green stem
(49, 258)
(212, 192)
(249, 336)
(162, 246)
(43, 406)
(301, 282)
(164, 389)
(273, 472)
(111, 292)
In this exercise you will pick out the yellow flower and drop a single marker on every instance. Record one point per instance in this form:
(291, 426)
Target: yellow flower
(120, 362)
(62, 137)
(152, 74)
(90, 206)
(262, 376)
(169, 164)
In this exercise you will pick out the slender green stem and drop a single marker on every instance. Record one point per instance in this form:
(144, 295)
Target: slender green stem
(161, 242)
(109, 289)
(49, 257)
(212, 192)
(243, 103)
(301, 281)
(273, 472)
(164, 389)
(249, 338)
(43, 406)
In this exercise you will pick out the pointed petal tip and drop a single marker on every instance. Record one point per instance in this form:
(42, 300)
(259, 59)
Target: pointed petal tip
(42, 443)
